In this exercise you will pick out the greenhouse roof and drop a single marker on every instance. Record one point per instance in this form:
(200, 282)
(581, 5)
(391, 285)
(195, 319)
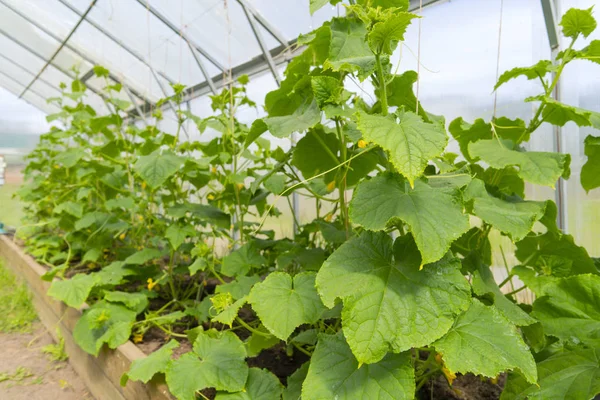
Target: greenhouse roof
(147, 44)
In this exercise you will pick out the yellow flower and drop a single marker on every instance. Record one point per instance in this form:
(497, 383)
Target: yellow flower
(331, 186)
(362, 144)
(214, 170)
(122, 236)
(240, 186)
(138, 337)
(210, 196)
(140, 217)
(151, 283)
(57, 166)
(143, 185)
(328, 217)
(450, 376)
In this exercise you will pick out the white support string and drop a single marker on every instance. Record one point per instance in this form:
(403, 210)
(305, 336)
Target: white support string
(498, 57)
(419, 55)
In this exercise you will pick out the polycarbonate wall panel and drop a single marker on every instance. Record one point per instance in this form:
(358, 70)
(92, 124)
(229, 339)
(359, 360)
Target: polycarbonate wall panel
(580, 87)
(459, 53)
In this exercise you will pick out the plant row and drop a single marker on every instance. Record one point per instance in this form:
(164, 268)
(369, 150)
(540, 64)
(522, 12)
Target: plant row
(387, 289)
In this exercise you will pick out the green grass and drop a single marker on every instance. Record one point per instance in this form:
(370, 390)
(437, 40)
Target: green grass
(11, 211)
(16, 310)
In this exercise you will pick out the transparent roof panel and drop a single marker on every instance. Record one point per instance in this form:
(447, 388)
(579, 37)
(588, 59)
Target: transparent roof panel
(39, 102)
(48, 13)
(14, 71)
(220, 27)
(38, 42)
(292, 17)
(147, 35)
(100, 83)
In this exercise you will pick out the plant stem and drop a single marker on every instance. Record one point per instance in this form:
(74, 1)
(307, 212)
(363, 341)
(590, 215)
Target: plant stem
(382, 86)
(251, 329)
(516, 290)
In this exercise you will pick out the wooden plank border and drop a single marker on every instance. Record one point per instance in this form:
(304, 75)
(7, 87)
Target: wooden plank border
(101, 374)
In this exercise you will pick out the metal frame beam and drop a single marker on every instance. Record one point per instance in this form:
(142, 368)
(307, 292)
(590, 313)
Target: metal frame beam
(560, 196)
(253, 67)
(3, 86)
(180, 33)
(119, 42)
(69, 74)
(262, 44)
(60, 47)
(249, 8)
(21, 84)
(551, 27)
(64, 43)
(22, 68)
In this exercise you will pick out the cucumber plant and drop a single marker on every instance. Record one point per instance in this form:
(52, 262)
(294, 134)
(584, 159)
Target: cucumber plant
(389, 287)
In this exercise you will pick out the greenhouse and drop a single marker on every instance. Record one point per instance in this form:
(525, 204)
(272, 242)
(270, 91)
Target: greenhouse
(299, 199)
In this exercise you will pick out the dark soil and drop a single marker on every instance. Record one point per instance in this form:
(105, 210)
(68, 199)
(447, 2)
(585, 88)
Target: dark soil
(464, 387)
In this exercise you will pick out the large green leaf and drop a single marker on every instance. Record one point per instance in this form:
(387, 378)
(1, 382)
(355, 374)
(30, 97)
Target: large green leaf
(242, 260)
(94, 218)
(228, 314)
(389, 304)
(70, 207)
(261, 385)
(590, 172)
(515, 218)
(315, 153)
(103, 323)
(538, 70)
(570, 309)
(176, 234)
(334, 373)
(434, 216)
(591, 52)
(157, 167)
(484, 283)
(239, 287)
(134, 301)
(217, 361)
(305, 116)
(385, 35)
(283, 303)
(536, 167)
(293, 390)
(349, 50)
(143, 256)
(400, 93)
(143, 369)
(326, 89)
(73, 292)
(411, 142)
(570, 374)
(483, 342)
(316, 5)
(202, 212)
(577, 22)
(555, 254)
(557, 113)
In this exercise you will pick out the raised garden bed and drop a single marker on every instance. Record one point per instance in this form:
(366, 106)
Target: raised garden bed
(101, 374)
